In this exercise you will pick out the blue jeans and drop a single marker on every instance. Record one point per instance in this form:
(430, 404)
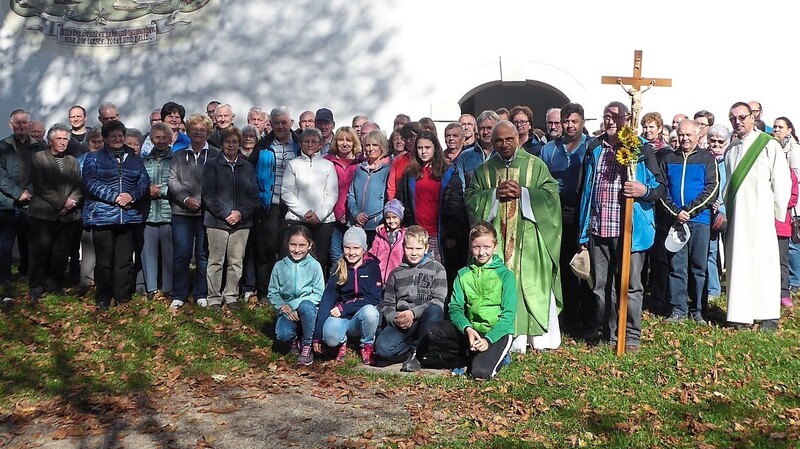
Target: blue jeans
(794, 265)
(286, 329)
(188, 235)
(337, 238)
(363, 324)
(714, 285)
(156, 235)
(393, 342)
(687, 272)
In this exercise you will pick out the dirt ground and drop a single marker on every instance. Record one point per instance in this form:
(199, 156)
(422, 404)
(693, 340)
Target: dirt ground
(276, 408)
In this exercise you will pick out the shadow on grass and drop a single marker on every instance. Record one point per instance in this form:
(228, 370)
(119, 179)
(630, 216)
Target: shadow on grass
(99, 367)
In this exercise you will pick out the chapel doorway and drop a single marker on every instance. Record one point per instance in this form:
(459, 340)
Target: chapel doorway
(536, 95)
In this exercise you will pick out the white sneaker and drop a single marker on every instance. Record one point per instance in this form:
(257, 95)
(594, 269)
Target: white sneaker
(176, 304)
(247, 295)
(202, 302)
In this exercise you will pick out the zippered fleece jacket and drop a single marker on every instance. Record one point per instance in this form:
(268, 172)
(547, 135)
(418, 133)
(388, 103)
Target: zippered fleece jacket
(414, 288)
(364, 287)
(293, 282)
(485, 299)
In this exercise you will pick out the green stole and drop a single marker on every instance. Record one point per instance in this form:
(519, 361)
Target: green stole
(530, 250)
(741, 170)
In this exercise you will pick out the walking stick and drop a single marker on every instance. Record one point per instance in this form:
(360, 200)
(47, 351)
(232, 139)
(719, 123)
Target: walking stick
(625, 269)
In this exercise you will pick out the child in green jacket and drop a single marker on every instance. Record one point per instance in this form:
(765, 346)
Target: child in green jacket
(481, 309)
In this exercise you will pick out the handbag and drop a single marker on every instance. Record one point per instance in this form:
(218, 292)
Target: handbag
(795, 229)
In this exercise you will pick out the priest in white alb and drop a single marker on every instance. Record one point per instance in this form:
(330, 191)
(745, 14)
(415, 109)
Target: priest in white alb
(759, 187)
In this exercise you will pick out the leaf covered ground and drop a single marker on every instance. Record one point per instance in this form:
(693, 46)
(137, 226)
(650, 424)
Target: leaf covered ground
(140, 376)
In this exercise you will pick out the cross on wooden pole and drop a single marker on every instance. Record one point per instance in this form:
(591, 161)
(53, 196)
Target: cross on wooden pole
(636, 82)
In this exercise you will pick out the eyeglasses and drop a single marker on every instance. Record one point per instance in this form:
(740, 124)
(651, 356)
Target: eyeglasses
(553, 123)
(507, 141)
(703, 125)
(520, 122)
(741, 118)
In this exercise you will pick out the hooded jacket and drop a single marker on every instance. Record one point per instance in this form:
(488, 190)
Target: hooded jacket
(388, 256)
(414, 288)
(485, 299)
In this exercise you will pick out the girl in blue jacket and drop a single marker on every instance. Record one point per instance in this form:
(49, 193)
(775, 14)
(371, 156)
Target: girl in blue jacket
(348, 306)
(295, 289)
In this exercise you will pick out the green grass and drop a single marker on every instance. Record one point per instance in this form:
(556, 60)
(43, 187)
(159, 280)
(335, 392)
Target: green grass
(65, 348)
(689, 386)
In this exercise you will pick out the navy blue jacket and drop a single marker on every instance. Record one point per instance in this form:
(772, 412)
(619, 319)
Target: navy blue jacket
(364, 287)
(104, 180)
(692, 183)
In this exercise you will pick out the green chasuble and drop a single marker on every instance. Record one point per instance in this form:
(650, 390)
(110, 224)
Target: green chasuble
(530, 246)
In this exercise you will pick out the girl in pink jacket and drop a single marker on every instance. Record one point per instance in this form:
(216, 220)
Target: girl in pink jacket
(387, 247)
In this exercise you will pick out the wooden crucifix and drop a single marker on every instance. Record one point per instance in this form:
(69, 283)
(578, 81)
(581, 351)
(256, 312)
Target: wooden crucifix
(636, 82)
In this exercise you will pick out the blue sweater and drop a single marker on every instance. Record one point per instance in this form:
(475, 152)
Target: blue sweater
(364, 287)
(294, 282)
(648, 173)
(104, 180)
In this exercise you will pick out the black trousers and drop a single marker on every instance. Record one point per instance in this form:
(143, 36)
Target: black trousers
(113, 248)
(445, 347)
(579, 304)
(50, 244)
(321, 233)
(267, 226)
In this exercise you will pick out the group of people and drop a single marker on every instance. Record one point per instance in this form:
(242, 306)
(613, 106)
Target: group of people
(445, 256)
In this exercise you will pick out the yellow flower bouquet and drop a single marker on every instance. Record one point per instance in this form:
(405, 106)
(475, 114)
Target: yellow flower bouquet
(629, 146)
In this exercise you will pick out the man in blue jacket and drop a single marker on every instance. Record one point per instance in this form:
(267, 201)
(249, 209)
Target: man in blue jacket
(692, 185)
(270, 156)
(605, 188)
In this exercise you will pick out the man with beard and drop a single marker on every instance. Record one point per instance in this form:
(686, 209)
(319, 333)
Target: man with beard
(605, 189)
(553, 122)
(564, 157)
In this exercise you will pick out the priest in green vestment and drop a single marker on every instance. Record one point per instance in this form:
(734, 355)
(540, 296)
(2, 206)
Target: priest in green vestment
(515, 191)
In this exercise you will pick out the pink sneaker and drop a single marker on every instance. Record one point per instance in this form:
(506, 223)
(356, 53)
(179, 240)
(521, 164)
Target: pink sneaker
(342, 353)
(786, 302)
(366, 354)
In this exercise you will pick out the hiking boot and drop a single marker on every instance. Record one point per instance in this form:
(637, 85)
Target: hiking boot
(306, 356)
(768, 326)
(342, 354)
(234, 306)
(632, 349)
(150, 295)
(215, 307)
(411, 364)
(366, 353)
(294, 348)
(787, 302)
(698, 319)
